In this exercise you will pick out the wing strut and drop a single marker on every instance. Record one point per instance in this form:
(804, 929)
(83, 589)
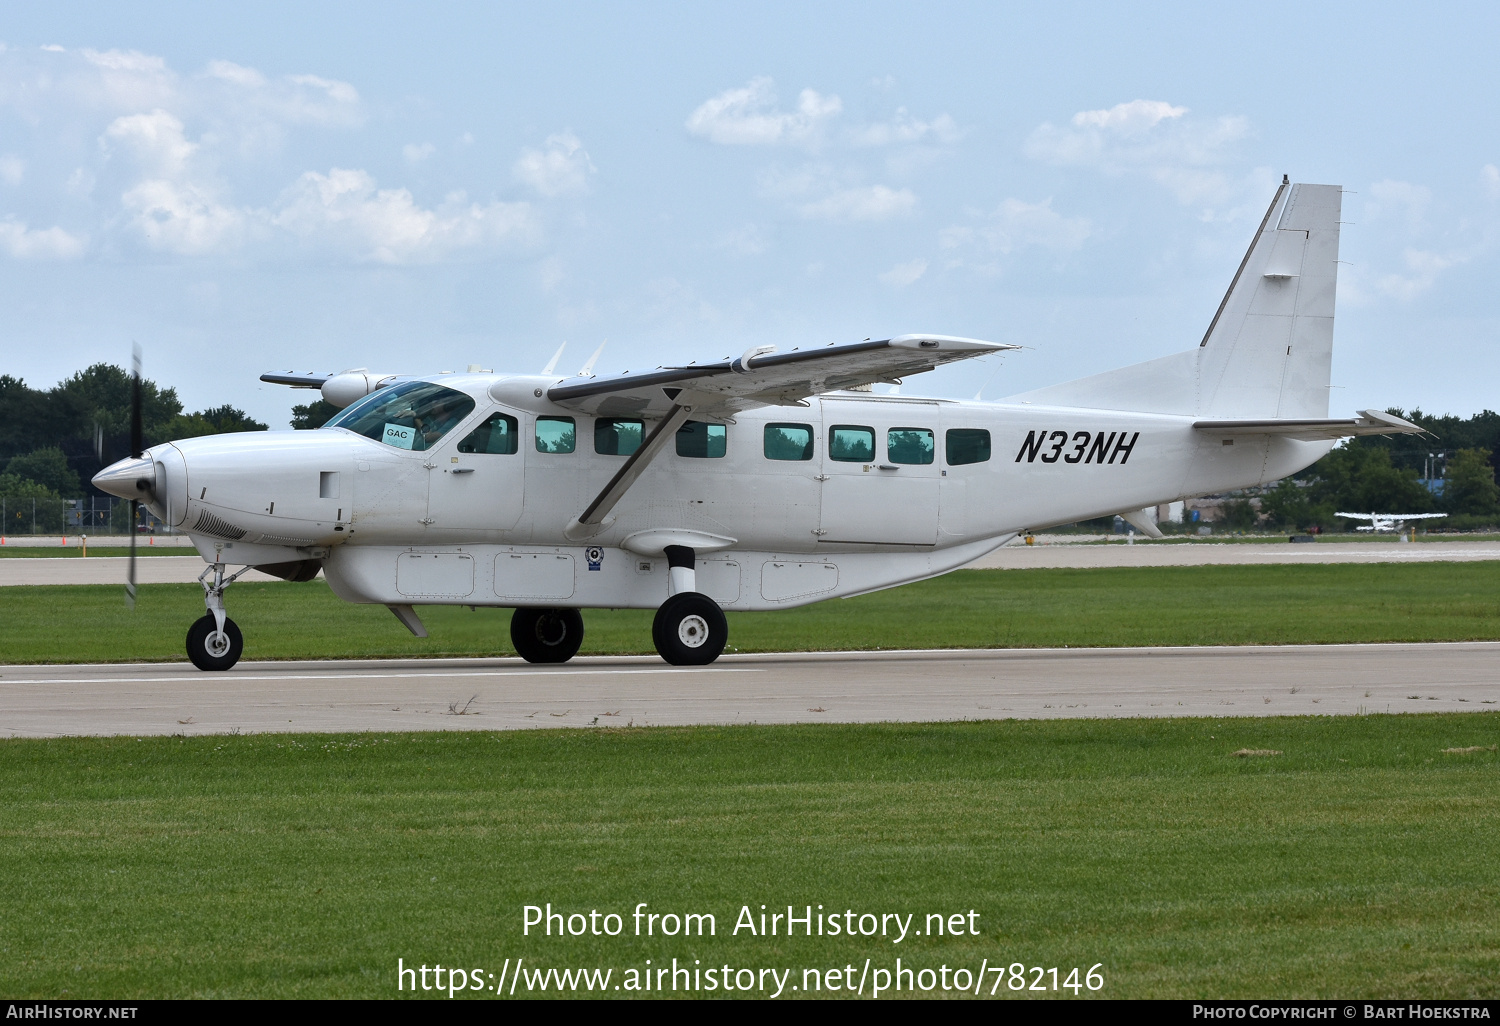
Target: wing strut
(591, 521)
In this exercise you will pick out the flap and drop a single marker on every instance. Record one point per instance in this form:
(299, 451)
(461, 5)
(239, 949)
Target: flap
(764, 377)
(1369, 422)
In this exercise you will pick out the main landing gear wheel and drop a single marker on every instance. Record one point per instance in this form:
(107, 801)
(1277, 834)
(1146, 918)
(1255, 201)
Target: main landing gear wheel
(546, 635)
(209, 649)
(690, 629)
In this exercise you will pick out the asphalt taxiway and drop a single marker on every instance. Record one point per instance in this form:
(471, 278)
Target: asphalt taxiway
(504, 694)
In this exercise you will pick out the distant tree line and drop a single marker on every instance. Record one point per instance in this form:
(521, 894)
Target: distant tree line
(1378, 474)
(53, 441)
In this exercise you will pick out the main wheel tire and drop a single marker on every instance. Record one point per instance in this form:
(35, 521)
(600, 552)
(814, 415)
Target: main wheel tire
(546, 635)
(690, 629)
(210, 650)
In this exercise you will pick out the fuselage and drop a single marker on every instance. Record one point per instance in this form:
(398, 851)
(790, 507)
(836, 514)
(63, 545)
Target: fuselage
(850, 492)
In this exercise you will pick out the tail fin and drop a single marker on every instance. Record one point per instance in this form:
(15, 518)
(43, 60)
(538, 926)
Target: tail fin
(1268, 350)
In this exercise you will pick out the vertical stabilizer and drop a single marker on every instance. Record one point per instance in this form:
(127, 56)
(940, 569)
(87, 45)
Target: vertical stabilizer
(1268, 350)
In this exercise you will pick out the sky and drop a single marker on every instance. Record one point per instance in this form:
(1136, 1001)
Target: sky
(413, 188)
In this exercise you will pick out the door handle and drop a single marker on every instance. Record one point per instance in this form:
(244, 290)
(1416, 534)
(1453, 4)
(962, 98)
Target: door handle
(887, 466)
(462, 470)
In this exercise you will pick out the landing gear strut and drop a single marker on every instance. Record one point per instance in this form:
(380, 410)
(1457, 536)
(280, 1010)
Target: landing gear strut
(689, 628)
(546, 635)
(214, 641)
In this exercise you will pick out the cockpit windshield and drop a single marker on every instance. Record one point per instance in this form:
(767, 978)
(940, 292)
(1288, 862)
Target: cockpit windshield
(411, 415)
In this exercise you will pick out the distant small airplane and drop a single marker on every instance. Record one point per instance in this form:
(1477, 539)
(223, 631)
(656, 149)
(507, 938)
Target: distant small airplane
(766, 481)
(1384, 522)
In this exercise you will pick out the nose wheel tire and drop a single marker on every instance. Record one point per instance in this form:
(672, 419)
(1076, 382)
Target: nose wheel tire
(211, 650)
(546, 635)
(690, 629)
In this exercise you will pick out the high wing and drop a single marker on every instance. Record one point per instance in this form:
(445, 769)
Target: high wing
(764, 377)
(1369, 422)
(308, 380)
(1356, 516)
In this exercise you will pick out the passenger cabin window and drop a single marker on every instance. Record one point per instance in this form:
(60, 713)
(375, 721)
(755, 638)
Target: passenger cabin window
(968, 445)
(497, 436)
(789, 442)
(910, 445)
(412, 415)
(701, 441)
(850, 444)
(614, 436)
(556, 434)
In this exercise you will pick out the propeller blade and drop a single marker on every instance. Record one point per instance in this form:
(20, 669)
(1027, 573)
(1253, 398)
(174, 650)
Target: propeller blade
(135, 404)
(135, 507)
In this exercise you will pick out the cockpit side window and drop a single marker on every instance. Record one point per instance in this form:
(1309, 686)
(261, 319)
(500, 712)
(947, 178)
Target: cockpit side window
(412, 415)
(497, 436)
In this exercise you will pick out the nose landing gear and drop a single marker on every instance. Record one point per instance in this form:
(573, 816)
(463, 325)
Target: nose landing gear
(214, 641)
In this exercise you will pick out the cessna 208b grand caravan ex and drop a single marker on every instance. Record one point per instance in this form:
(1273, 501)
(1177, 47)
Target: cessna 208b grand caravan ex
(764, 482)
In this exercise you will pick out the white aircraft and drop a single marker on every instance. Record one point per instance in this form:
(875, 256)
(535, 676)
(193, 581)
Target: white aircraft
(1383, 522)
(768, 481)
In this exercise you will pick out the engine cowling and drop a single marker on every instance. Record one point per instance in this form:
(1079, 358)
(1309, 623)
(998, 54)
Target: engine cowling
(351, 386)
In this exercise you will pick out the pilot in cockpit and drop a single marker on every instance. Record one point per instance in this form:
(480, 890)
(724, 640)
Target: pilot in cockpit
(437, 420)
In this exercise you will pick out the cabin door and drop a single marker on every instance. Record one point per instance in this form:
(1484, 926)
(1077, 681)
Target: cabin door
(478, 480)
(880, 472)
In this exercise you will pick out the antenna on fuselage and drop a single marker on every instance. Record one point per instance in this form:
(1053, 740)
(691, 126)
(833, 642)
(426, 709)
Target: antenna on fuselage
(588, 369)
(552, 363)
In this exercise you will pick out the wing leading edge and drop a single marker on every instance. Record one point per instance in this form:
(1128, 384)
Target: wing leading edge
(764, 377)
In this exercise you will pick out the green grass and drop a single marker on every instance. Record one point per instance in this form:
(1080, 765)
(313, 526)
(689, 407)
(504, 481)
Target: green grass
(1214, 605)
(74, 551)
(1361, 862)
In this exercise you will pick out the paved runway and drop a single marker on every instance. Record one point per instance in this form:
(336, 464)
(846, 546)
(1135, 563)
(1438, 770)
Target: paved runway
(502, 694)
(1206, 553)
(185, 569)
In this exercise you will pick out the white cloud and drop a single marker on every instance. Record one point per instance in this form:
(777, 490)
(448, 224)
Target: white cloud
(170, 145)
(745, 241)
(561, 168)
(415, 154)
(23, 243)
(1135, 116)
(905, 274)
(904, 129)
(1149, 137)
(176, 205)
(866, 203)
(122, 79)
(1422, 270)
(747, 116)
(818, 192)
(156, 139)
(182, 217)
(386, 225)
(1016, 224)
(1404, 199)
(247, 78)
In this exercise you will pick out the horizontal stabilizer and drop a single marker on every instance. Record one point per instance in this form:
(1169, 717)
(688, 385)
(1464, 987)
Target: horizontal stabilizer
(1369, 422)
